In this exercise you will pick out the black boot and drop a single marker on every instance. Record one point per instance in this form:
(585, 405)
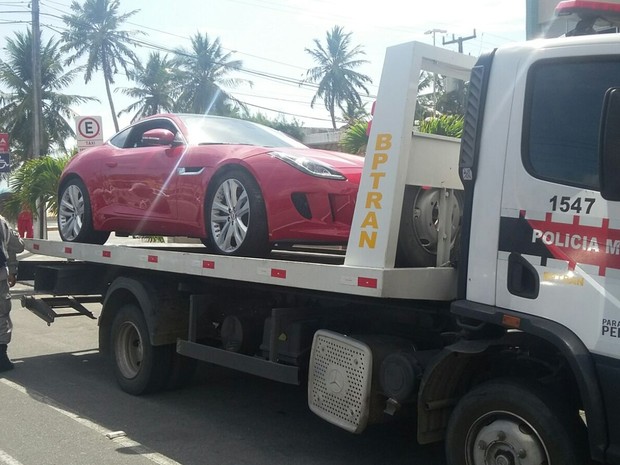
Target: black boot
(5, 363)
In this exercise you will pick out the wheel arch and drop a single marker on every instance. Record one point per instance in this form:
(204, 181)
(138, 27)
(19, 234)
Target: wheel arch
(160, 302)
(457, 368)
(230, 167)
(69, 177)
(89, 232)
(257, 240)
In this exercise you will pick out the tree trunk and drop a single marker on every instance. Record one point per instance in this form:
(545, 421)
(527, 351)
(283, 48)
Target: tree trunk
(107, 89)
(332, 112)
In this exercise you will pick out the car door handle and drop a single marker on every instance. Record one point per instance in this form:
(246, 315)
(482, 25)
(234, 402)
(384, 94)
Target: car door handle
(111, 164)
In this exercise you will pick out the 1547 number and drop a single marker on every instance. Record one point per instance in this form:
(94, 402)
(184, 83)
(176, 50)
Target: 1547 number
(566, 204)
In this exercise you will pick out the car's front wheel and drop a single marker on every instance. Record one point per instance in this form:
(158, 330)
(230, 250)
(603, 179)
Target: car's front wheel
(235, 217)
(75, 222)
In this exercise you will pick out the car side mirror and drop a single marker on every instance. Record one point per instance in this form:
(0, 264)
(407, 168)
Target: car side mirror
(155, 137)
(609, 146)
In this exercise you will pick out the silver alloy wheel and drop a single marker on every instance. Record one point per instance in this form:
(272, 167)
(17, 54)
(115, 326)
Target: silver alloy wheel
(71, 212)
(425, 218)
(503, 438)
(230, 215)
(129, 350)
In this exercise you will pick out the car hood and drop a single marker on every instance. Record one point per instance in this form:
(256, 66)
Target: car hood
(338, 160)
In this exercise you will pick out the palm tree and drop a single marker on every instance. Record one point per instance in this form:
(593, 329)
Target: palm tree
(204, 73)
(93, 30)
(37, 181)
(16, 105)
(156, 87)
(338, 82)
(354, 113)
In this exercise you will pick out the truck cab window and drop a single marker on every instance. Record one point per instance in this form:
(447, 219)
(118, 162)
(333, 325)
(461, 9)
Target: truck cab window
(562, 118)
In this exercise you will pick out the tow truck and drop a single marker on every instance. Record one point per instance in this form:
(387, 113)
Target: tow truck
(507, 349)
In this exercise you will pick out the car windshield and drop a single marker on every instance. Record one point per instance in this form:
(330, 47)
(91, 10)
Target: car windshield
(205, 130)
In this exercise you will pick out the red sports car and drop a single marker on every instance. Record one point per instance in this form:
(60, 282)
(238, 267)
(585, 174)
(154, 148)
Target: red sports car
(239, 186)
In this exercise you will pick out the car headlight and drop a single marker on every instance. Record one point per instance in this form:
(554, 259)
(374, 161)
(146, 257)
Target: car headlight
(308, 166)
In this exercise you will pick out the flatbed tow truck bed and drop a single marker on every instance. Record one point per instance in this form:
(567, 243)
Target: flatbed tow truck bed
(305, 270)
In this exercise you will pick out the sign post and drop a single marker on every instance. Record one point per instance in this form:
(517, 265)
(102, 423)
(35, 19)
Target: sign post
(5, 165)
(88, 132)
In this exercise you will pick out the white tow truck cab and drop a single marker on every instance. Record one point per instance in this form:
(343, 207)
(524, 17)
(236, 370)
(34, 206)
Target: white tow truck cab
(505, 349)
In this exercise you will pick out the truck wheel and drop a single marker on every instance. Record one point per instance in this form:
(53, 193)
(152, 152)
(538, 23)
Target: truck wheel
(75, 220)
(417, 238)
(503, 422)
(139, 367)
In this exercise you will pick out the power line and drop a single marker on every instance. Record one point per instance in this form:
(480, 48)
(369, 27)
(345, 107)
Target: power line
(287, 113)
(280, 79)
(269, 76)
(159, 47)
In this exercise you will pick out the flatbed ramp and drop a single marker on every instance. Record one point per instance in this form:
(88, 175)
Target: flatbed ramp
(298, 270)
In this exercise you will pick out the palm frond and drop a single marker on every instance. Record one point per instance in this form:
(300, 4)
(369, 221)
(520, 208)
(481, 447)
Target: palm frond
(338, 83)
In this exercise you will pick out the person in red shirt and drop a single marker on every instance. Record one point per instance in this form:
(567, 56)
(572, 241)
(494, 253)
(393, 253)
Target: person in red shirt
(24, 223)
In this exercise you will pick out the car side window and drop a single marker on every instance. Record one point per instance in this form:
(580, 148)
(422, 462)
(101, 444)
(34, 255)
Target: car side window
(562, 117)
(120, 139)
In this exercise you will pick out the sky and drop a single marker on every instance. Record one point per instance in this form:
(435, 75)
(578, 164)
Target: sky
(269, 37)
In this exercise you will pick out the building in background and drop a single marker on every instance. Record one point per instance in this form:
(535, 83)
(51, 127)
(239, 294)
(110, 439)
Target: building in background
(539, 18)
(576, 17)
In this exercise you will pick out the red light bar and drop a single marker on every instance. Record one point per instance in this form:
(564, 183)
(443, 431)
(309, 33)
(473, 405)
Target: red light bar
(570, 6)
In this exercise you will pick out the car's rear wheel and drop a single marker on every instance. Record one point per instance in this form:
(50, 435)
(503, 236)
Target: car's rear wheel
(235, 216)
(418, 236)
(75, 222)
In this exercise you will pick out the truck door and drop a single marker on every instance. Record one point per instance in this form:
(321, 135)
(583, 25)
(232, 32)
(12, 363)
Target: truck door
(559, 238)
(559, 241)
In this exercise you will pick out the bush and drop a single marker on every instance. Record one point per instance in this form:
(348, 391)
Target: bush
(36, 179)
(444, 125)
(355, 138)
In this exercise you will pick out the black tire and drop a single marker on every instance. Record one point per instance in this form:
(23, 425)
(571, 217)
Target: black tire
(139, 367)
(417, 237)
(75, 221)
(520, 422)
(236, 224)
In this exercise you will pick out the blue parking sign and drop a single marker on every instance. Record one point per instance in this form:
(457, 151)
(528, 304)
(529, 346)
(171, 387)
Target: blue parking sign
(5, 165)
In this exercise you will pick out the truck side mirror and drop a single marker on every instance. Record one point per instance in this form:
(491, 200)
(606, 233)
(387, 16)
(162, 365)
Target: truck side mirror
(609, 150)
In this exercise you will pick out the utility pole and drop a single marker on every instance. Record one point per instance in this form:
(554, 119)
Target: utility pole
(434, 32)
(36, 111)
(459, 40)
(36, 79)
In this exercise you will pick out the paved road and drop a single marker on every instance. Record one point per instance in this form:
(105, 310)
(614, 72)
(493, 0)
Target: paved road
(61, 403)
